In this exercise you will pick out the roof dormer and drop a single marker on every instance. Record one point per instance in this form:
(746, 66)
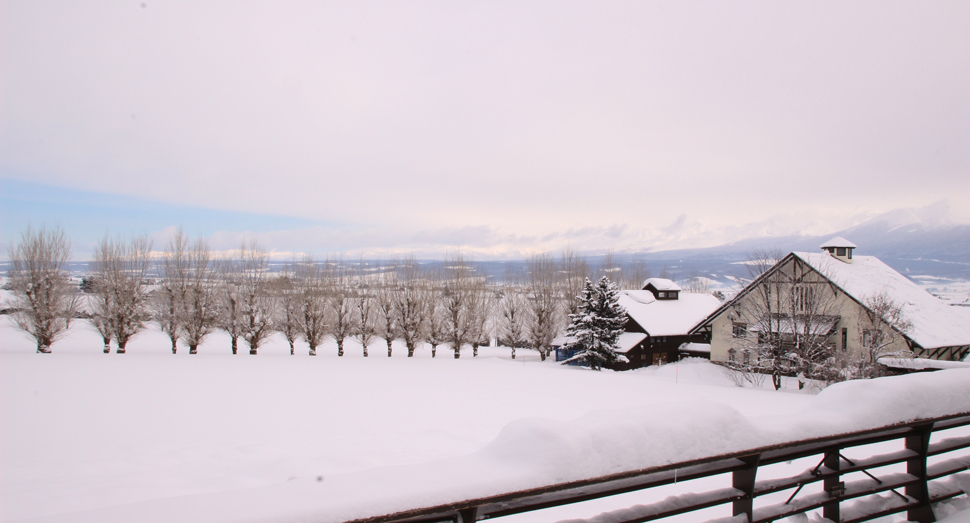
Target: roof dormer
(839, 248)
(662, 288)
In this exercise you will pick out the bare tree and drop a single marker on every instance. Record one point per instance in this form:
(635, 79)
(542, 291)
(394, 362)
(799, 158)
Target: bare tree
(365, 313)
(44, 298)
(311, 286)
(257, 304)
(455, 301)
(437, 319)
(793, 310)
(544, 303)
(231, 301)
(634, 275)
(882, 326)
(697, 284)
(384, 302)
(121, 268)
(512, 314)
(411, 304)
(200, 308)
(288, 317)
(573, 271)
(340, 302)
(169, 298)
(481, 306)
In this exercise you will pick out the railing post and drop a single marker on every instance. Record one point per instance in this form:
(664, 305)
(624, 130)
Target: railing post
(919, 442)
(833, 485)
(744, 480)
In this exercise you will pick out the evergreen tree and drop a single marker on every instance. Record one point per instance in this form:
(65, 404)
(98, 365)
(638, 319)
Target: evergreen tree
(596, 326)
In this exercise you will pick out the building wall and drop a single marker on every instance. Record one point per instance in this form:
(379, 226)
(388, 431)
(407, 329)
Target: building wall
(722, 328)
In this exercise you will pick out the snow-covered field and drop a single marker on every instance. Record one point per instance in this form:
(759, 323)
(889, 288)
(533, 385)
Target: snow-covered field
(151, 436)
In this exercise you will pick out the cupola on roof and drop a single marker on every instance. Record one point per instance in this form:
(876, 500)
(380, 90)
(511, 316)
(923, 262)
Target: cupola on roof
(838, 241)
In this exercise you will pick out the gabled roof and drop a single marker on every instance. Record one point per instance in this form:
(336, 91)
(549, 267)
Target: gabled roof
(667, 317)
(661, 284)
(838, 241)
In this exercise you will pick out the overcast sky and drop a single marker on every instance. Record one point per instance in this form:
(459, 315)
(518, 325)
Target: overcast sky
(500, 127)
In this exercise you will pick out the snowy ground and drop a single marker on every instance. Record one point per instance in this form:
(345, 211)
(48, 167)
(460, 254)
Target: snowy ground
(149, 434)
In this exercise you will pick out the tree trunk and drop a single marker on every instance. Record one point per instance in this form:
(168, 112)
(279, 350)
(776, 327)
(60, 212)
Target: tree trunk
(389, 348)
(434, 349)
(252, 351)
(313, 349)
(107, 345)
(475, 350)
(776, 380)
(542, 355)
(457, 352)
(513, 353)
(193, 349)
(234, 344)
(340, 347)
(43, 349)
(292, 348)
(410, 351)
(174, 345)
(365, 350)
(121, 346)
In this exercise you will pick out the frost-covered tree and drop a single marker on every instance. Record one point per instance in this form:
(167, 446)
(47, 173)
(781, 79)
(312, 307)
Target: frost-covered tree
(544, 303)
(437, 330)
(384, 302)
(596, 327)
(365, 312)
(512, 318)
(456, 301)
(231, 301)
(200, 307)
(481, 306)
(257, 304)
(288, 317)
(340, 303)
(572, 272)
(44, 299)
(120, 271)
(169, 296)
(311, 286)
(411, 303)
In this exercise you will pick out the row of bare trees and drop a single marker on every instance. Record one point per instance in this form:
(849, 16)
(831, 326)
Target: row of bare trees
(190, 294)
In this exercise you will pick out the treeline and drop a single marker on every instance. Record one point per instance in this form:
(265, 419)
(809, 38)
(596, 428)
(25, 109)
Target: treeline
(190, 294)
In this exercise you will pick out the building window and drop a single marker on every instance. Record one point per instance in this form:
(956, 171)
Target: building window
(845, 339)
(746, 357)
(740, 330)
(661, 294)
(802, 298)
(840, 251)
(732, 355)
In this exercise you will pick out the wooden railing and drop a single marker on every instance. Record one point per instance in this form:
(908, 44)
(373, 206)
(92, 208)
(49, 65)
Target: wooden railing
(921, 484)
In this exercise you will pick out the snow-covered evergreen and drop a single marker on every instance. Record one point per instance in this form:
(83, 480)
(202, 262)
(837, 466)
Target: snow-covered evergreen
(597, 325)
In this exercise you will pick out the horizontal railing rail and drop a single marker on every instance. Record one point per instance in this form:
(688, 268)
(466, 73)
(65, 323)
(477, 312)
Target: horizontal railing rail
(921, 483)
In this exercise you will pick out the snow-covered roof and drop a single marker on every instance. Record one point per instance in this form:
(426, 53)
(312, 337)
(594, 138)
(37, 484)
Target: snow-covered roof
(695, 347)
(628, 340)
(838, 241)
(667, 317)
(922, 363)
(935, 324)
(662, 284)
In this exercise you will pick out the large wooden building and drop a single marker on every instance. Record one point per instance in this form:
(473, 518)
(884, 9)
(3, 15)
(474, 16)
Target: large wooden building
(848, 287)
